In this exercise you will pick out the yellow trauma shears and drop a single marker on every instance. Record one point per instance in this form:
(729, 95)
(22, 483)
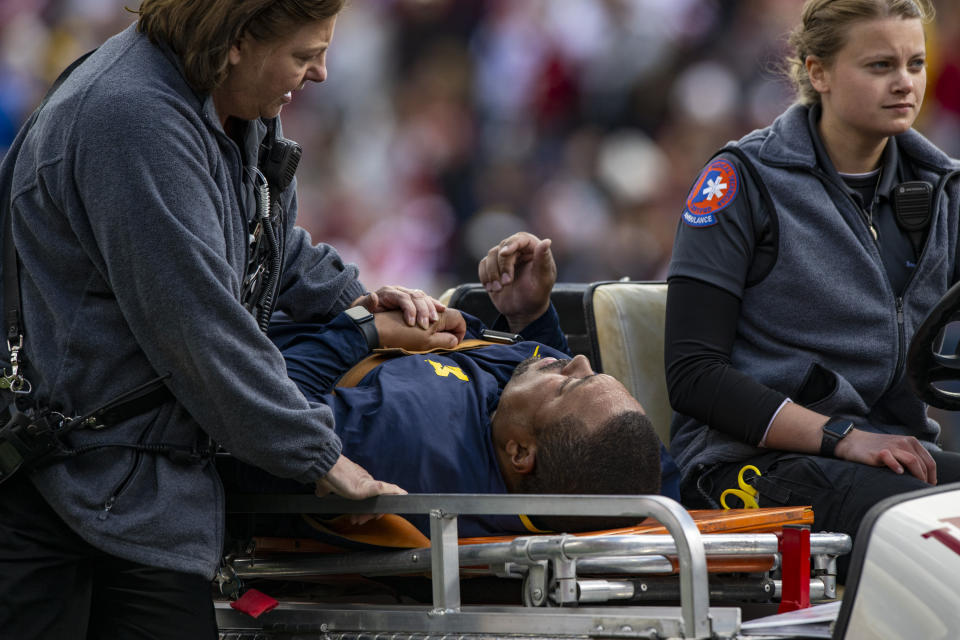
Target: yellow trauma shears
(747, 493)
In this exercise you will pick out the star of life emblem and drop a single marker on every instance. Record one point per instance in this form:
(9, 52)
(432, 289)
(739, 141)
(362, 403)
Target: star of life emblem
(713, 192)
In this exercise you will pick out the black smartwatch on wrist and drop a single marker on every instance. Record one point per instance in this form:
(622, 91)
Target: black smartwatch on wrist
(834, 431)
(364, 321)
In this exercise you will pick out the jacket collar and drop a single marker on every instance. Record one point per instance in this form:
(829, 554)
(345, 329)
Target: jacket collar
(892, 169)
(790, 142)
(203, 102)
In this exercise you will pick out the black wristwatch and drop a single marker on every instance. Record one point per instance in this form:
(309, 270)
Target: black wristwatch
(364, 321)
(834, 431)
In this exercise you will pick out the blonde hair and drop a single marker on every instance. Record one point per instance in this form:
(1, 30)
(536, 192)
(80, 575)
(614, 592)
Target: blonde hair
(822, 32)
(201, 32)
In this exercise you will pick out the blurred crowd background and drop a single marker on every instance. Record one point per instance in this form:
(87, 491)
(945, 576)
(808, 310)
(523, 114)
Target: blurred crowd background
(446, 124)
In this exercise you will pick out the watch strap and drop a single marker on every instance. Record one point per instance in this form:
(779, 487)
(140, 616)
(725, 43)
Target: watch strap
(367, 326)
(835, 430)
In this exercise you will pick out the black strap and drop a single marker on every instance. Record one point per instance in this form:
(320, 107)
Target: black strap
(11, 269)
(11, 282)
(132, 403)
(180, 455)
(127, 405)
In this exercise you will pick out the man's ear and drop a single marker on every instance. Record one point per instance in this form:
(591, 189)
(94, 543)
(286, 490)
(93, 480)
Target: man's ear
(817, 74)
(522, 456)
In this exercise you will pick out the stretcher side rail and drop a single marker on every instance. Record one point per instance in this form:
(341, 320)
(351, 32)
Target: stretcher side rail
(444, 509)
(526, 558)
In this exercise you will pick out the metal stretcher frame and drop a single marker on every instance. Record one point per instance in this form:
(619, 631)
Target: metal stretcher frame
(693, 619)
(444, 549)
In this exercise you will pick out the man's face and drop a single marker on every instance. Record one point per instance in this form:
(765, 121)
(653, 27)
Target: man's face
(264, 75)
(544, 390)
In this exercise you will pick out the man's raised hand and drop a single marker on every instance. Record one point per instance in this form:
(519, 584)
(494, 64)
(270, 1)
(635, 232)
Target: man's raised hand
(519, 274)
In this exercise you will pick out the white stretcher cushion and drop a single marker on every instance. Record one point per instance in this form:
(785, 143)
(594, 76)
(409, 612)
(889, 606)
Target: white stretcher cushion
(627, 320)
(618, 325)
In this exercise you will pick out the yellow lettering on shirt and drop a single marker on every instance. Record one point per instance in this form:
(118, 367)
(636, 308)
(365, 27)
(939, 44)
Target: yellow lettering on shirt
(444, 370)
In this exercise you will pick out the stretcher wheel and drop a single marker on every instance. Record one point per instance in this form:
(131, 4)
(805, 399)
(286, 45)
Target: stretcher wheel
(535, 587)
(928, 367)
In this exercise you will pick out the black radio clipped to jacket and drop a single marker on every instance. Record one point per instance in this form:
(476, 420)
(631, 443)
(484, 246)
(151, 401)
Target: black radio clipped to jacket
(24, 441)
(279, 161)
(276, 166)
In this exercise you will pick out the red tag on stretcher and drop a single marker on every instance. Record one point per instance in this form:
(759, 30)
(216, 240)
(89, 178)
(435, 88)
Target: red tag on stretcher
(254, 603)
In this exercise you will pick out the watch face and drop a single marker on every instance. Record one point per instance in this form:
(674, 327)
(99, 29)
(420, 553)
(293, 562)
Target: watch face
(840, 428)
(359, 313)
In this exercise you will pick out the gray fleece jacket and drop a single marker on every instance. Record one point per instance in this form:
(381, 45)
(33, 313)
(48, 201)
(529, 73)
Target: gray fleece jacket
(826, 315)
(130, 212)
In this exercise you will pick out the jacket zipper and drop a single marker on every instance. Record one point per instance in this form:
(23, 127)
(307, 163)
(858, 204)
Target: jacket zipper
(861, 213)
(119, 489)
(935, 203)
(901, 340)
(898, 300)
(128, 477)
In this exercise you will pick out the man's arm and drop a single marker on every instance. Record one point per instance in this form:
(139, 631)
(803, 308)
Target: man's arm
(317, 355)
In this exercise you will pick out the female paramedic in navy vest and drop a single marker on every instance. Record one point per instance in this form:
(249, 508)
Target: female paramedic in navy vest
(133, 205)
(794, 290)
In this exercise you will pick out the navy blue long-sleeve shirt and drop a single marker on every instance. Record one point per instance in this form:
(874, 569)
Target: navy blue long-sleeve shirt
(423, 421)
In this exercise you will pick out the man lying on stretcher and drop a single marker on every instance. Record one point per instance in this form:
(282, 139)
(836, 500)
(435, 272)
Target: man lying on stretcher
(518, 418)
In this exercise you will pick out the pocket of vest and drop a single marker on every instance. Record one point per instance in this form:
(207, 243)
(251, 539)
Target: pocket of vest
(818, 385)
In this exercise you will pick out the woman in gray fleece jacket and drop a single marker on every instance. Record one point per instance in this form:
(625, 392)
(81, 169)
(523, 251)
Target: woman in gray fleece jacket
(792, 242)
(133, 209)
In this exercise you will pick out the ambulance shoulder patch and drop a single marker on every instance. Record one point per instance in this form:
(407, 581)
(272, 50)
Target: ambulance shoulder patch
(713, 192)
